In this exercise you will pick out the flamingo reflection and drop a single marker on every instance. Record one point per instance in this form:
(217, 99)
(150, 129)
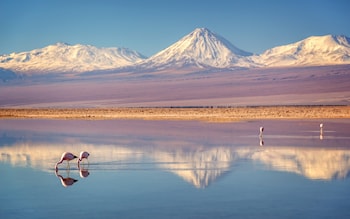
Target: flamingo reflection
(83, 172)
(261, 141)
(65, 156)
(66, 181)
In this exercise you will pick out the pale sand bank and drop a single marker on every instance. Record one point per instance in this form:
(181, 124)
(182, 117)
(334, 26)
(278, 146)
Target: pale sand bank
(204, 114)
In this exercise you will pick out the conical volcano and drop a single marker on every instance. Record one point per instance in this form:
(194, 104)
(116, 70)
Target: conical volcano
(201, 48)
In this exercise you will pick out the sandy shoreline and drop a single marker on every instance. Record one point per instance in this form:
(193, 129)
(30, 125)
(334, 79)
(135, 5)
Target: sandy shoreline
(202, 114)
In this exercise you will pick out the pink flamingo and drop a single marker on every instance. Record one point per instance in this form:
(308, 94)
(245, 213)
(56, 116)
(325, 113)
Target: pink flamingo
(83, 155)
(65, 156)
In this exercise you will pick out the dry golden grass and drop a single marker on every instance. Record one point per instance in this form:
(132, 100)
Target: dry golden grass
(204, 114)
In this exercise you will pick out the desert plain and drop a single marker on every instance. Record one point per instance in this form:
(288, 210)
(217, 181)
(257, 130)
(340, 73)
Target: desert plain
(240, 94)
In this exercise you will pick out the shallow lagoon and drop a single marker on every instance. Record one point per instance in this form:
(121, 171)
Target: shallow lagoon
(169, 169)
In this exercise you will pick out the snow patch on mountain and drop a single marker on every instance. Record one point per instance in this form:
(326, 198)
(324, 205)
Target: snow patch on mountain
(62, 57)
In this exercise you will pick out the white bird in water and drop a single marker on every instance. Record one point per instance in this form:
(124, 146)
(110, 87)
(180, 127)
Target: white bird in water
(65, 156)
(261, 130)
(321, 131)
(83, 155)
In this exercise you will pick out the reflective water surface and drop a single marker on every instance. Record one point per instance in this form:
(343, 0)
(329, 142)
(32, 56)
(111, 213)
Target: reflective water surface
(172, 169)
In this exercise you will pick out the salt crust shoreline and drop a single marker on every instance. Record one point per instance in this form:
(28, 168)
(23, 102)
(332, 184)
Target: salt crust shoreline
(210, 114)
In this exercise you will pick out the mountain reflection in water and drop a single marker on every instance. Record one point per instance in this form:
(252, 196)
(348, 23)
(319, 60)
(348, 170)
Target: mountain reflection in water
(199, 153)
(198, 166)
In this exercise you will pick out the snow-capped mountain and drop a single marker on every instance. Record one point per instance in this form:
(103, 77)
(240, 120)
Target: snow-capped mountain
(62, 57)
(315, 50)
(201, 48)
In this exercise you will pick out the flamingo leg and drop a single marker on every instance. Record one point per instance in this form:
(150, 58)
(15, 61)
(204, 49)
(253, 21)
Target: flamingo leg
(86, 160)
(82, 163)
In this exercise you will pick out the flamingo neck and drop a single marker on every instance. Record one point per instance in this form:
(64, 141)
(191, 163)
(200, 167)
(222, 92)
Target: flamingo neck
(59, 162)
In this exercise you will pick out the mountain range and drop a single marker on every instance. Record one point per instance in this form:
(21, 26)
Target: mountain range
(201, 49)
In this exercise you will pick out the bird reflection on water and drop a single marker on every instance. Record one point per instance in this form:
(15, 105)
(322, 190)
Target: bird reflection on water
(66, 181)
(261, 141)
(84, 171)
(69, 181)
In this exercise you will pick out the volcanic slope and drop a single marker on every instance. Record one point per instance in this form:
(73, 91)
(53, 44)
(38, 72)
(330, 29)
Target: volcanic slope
(201, 49)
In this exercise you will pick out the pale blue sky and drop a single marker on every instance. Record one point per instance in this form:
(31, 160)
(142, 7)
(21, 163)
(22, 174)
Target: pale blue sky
(149, 26)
